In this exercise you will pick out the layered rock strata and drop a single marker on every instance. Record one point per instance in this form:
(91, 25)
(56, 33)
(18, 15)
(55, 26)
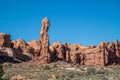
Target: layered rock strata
(106, 53)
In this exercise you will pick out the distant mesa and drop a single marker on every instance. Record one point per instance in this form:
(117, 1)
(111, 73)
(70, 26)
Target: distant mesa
(106, 53)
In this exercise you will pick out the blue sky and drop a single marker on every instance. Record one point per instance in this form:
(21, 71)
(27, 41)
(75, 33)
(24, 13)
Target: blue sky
(73, 21)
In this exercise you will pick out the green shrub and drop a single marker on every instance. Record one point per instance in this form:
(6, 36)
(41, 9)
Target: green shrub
(70, 75)
(91, 71)
(100, 72)
(10, 64)
(54, 66)
(57, 76)
(6, 78)
(46, 67)
(1, 71)
(44, 76)
(2, 77)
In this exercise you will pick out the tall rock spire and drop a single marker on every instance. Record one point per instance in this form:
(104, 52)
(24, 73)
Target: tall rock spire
(45, 55)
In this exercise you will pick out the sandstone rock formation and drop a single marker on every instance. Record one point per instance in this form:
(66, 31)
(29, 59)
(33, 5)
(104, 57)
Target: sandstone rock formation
(117, 50)
(5, 40)
(59, 50)
(45, 55)
(15, 52)
(106, 53)
(75, 53)
(12, 55)
(23, 47)
(36, 45)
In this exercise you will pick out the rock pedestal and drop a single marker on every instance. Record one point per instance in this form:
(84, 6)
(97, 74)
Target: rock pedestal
(45, 55)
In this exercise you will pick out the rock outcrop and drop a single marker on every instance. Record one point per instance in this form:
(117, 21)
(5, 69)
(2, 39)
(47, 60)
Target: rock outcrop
(75, 52)
(106, 53)
(16, 51)
(59, 50)
(5, 40)
(36, 45)
(117, 50)
(45, 55)
(23, 47)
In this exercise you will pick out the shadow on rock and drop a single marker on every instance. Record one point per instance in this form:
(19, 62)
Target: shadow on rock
(13, 55)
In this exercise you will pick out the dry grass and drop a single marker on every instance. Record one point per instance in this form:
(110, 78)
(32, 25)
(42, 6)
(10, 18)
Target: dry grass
(59, 71)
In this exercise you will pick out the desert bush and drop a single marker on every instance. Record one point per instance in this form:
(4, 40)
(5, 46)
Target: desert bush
(54, 66)
(70, 75)
(47, 67)
(100, 72)
(1, 71)
(5, 78)
(91, 71)
(57, 76)
(44, 76)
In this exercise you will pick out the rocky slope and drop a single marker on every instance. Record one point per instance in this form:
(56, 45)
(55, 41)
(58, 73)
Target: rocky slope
(106, 53)
(59, 70)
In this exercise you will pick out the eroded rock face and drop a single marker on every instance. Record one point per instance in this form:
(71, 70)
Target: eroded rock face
(112, 54)
(5, 40)
(79, 54)
(117, 51)
(75, 53)
(53, 53)
(59, 50)
(11, 52)
(8, 54)
(106, 53)
(91, 56)
(23, 47)
(45, 55)
(36, 45)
